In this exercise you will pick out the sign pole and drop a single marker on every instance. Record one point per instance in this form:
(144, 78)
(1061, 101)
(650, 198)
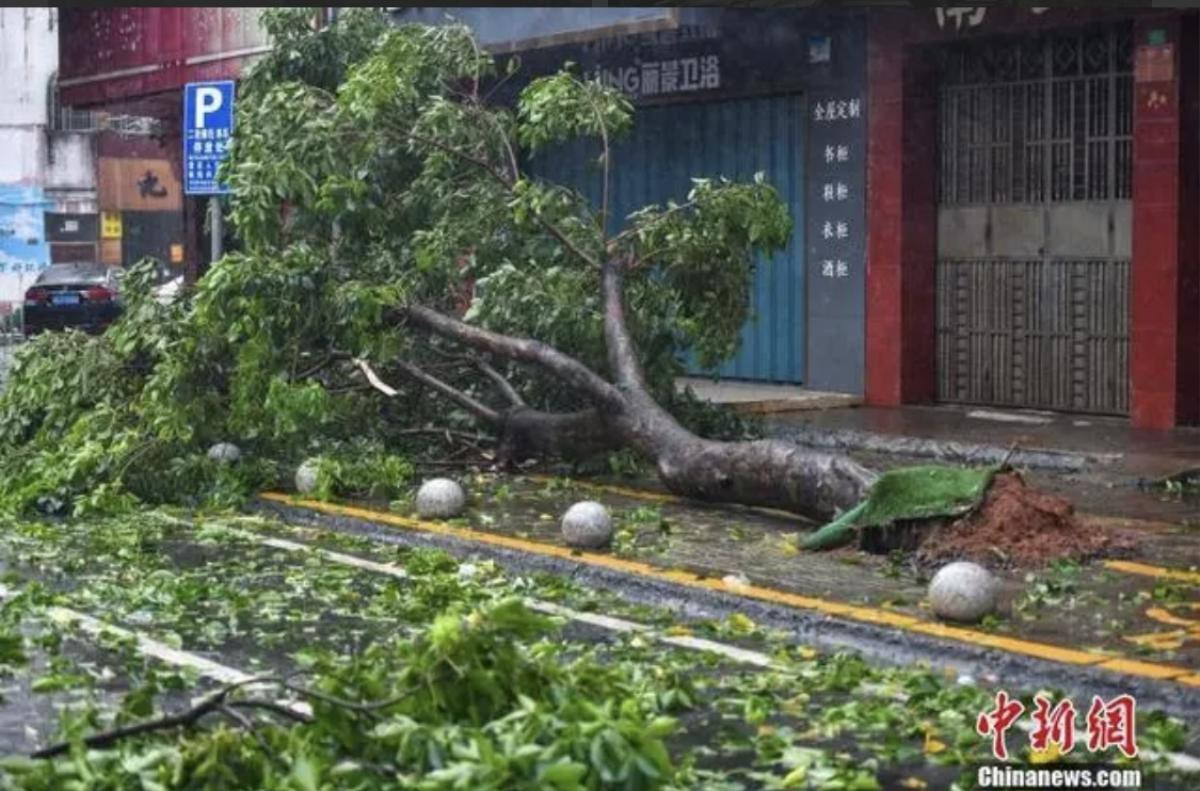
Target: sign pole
(215, 223)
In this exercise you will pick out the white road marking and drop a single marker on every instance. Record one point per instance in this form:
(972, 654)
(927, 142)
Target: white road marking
(1179, 761)
(742, 655)
(148, 646)
(608, 622)
(346, 560)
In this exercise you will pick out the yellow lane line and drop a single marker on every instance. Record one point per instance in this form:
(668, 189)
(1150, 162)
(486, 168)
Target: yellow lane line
(831, 608)
(1159, 572)
(1127, 567)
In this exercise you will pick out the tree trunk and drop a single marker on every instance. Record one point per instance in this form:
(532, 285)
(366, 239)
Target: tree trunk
(764, 473)
(575, 436)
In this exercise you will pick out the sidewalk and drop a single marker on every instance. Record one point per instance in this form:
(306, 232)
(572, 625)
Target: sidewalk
(1106, 441)
(1101, 464)
(763, 398)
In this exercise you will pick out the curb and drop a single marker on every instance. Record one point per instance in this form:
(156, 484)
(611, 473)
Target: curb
(940, 450)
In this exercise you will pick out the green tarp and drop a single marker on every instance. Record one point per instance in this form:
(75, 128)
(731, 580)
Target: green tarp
(904, 494)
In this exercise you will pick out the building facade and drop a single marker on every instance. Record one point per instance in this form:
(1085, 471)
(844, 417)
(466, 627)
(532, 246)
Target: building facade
(991, 205)
(135, 62)
(1043, 251)
(47, 173)
(729, 93)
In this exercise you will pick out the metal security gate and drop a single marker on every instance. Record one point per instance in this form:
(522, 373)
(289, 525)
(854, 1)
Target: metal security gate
(671, 144)
(1035, 187)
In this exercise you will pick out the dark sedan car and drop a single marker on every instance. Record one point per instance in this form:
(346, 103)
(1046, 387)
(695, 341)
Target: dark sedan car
(83, 296)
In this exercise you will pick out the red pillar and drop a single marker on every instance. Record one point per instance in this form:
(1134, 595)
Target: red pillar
(901, 221)
(1164, 323)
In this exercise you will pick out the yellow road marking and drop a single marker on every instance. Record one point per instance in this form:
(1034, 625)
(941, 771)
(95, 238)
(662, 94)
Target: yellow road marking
(1175, 638)
(1146, 669)
(1142, 569)
(1163, 615)
(823, 606)
(1124, 566)
(1116, 565)
(1160, 641)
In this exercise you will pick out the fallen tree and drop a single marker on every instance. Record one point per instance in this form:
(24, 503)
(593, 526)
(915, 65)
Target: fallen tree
(378, 191)
(761, 472)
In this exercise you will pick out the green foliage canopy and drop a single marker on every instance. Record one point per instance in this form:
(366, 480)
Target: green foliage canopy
(370, 171)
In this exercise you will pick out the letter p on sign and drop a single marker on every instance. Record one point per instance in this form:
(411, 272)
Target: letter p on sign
(208, 100)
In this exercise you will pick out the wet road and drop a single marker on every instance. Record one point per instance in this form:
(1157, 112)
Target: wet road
(216, 589)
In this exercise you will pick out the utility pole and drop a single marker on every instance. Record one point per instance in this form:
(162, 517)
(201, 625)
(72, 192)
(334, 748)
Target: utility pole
(215, 222)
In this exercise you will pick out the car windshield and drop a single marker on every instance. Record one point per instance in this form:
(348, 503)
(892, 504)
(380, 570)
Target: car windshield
(58, 274)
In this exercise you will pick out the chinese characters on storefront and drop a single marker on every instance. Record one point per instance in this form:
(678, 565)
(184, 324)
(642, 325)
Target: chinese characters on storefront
(962, 18)
(837, 204)
(835, 237)
(673, 76)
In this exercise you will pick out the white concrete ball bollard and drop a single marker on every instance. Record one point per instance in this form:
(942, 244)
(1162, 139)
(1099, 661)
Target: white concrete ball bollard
(440, 498)
(963, 591)
(587, 525)
(225, 453)
(306, 476)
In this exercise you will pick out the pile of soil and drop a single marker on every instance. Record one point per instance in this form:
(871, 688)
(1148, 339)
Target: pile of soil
(1019, 526)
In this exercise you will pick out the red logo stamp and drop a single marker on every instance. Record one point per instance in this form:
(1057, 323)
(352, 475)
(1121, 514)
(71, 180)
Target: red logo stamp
(1108, 724)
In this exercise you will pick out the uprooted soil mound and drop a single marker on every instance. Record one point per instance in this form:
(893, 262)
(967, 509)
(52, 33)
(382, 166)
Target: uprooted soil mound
(1019, 526)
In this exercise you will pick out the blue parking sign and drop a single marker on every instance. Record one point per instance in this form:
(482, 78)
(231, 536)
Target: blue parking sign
(207, 129)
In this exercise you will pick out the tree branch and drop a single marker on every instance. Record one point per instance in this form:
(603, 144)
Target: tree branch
(604, 184)
(621, 354)
(240, 719)
(479, 109)
(317, 367)
(507, 183)
(374, 379)
(527, 350)
(478, 162)
(654, 427)
(220, 703)
(213, 703)
(477, 408)
(448, 433)
(502, 384)
(246, 724)
(279, 709)
(364, 707)
(632, 231)
(107, 738)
